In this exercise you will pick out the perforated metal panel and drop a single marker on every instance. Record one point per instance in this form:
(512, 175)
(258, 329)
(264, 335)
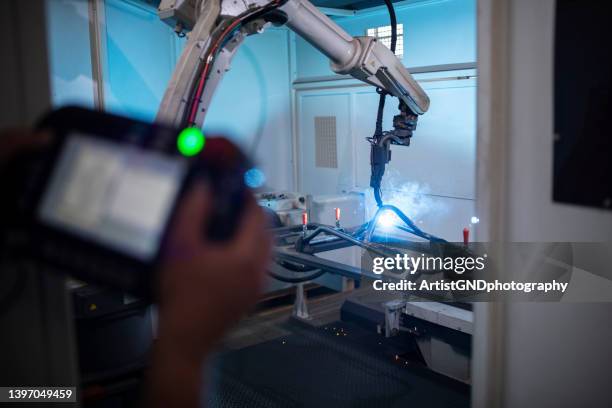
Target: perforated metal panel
(325, 142)
(340, 365)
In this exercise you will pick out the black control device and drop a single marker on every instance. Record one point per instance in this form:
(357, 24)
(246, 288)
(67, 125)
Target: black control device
(97, 202)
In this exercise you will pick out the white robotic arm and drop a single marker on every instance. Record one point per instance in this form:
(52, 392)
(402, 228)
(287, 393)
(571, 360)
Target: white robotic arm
(361, 57)
(218, 27)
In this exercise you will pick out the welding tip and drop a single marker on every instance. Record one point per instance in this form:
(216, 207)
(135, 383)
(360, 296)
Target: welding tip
(466, 236)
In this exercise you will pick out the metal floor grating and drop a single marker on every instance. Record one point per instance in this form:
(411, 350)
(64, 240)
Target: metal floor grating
(338, 365)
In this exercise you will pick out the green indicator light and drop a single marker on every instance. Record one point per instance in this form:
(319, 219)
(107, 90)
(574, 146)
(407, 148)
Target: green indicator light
(190, 141)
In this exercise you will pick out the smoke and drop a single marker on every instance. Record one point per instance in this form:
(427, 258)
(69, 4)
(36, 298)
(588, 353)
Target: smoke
(411, 197)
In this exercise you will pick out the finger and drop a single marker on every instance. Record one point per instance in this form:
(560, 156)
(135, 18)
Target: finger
(252, 229)
(189, 219)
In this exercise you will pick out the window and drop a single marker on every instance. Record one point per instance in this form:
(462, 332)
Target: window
(383, 34)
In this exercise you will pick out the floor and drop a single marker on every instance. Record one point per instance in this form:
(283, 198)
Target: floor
(272, 360)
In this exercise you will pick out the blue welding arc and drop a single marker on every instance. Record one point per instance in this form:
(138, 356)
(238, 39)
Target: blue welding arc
(409, 225)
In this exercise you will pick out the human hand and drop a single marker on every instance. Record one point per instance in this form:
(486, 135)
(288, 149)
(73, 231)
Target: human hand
(204, 288)
(207, 286)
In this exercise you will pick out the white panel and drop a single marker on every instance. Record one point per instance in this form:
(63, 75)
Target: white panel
(319, 180)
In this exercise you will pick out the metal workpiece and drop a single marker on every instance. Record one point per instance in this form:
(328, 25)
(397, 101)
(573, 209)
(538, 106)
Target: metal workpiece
(307, 244)
(300, 244)
(287, 249)
(337, 268)
(407, 226)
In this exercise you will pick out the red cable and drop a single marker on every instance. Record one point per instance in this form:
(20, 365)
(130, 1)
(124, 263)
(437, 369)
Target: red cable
(202, 80)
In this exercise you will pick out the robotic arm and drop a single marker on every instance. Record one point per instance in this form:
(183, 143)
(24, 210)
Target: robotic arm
(218, 27)
(361, 57)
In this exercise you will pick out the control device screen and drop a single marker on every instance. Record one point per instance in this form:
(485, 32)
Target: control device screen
(114, 194)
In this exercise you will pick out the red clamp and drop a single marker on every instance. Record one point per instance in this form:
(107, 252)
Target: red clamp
(466, 236)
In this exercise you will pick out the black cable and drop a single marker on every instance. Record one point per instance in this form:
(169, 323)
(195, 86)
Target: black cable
(379, 115)
(393, 19)
(296, 268)
(318, 273)
(377, 178)
(377, 197)
(383, 94)
(242, 18)
(293, 267)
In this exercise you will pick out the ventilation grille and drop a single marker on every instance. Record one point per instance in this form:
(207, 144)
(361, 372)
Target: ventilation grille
(325, 142)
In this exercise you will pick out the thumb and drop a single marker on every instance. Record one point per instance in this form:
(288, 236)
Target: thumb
(188, 223)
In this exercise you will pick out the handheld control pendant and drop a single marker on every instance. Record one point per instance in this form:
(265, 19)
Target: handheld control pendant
(105, 191)
(224, 166)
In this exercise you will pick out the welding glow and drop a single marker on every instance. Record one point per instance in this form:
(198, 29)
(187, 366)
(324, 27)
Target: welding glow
(387, 220)
(254, 178)
(474, 220)
(412, 198)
